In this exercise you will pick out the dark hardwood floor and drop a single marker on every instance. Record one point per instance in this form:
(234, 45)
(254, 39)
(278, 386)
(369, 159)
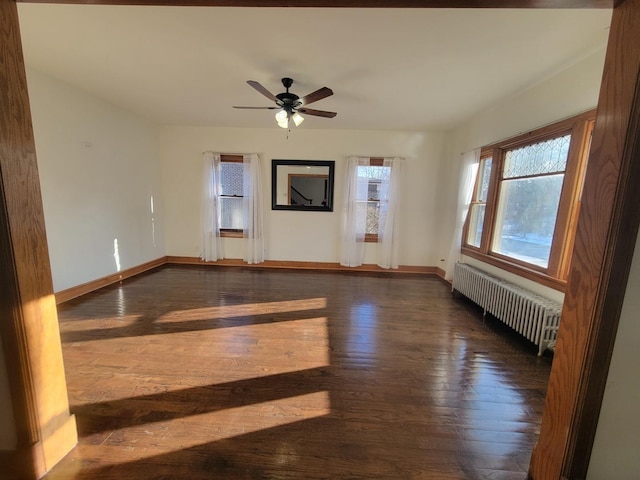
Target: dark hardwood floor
(228, 373)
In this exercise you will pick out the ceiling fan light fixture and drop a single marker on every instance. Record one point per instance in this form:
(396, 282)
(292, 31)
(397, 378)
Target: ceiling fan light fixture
(297, 119)
(287, 103)
(282, 117)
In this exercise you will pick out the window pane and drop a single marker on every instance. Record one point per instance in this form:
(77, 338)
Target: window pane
(373, 217)
(373, 190)
(526, 218)
(476, 221)
(361, 217)
(484, 175)
(231, 179)
(549, 156)
(231, 213)
(372, 183)
(374, 172)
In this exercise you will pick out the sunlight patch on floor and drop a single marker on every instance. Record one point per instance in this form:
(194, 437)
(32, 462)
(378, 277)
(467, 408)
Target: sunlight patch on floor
(245, 309)
(219, 356)
(164, 437)
(82, 324)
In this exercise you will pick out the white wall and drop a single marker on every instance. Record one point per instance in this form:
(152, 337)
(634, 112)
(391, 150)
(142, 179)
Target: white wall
(615, 449)
(302, 236)
(573, 90)
(99, 171)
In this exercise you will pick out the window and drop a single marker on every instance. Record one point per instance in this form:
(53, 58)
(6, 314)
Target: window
(372, 202)
(479, 202)
(525, 201)
(231, 195)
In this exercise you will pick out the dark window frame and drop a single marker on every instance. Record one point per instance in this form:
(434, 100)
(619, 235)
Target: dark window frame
(555, 274)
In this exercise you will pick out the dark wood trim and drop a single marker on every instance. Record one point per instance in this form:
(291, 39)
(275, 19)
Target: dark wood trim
(88, 287)
(520, 270)
(627, 47)
(231, 233)
(492, 200)
(8, 464)
(29, 331)
(554, 275)
(604, 245)
(544, 132)
(354, 3)
(290, 265)
(568, 211)
(78, 290)
(484, 155)
(371, 238)
(231, 158)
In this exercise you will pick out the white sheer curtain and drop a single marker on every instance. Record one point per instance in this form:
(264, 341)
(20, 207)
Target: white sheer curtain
(468, 172)
(211, 244)
(356, 208)
(390, 191)
(353, 228)
(253, 231)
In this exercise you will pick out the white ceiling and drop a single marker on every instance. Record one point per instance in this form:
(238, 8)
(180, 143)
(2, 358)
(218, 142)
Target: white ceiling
(395, 69)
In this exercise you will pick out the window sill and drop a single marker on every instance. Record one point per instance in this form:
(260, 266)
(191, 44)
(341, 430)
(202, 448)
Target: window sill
(231, 233)
(530, 274)
(370, 238)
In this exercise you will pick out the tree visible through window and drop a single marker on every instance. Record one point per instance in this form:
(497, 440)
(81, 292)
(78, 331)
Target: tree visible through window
(231, 195)
(525, 201)
(532, 178)
(372, 200)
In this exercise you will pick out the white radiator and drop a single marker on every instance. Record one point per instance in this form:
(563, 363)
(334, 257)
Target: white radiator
(535, 317)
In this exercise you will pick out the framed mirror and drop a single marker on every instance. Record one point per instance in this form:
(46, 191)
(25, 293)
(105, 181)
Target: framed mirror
(302, 185)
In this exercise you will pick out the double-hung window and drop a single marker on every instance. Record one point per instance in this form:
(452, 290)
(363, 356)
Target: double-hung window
(231, 196)
(525, 202)
(478, 205)
(373, 180)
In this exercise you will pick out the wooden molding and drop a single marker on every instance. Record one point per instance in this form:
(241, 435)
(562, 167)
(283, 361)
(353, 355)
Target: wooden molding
(284, 264)
(520, 270)
(9, 465)
(604, 245)
(353, 3)
(29, 331)
(73, 292)
(554, 275)
(585, 340)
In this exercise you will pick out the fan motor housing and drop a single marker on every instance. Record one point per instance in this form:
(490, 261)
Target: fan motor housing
(288, 98)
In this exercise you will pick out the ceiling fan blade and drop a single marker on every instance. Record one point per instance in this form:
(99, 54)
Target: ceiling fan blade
(317, 113)
(319, 94)
(262, 90)
(257, 108)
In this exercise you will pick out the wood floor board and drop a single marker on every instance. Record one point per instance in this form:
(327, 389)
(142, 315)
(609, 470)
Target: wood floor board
(201, 373)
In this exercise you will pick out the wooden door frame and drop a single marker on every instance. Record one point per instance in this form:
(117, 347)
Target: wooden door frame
(605, 242)
(604, 246)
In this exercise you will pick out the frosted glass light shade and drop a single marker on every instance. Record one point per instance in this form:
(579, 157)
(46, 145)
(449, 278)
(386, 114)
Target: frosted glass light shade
(283, 119)
(297, 119)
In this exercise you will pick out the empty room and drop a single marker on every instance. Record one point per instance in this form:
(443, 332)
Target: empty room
(315, 242)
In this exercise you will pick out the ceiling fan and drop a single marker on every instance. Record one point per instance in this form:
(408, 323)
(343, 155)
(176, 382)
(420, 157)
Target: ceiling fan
(290, 105)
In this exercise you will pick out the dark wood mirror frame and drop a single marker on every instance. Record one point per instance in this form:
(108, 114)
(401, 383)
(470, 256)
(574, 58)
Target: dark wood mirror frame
(282, 188)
